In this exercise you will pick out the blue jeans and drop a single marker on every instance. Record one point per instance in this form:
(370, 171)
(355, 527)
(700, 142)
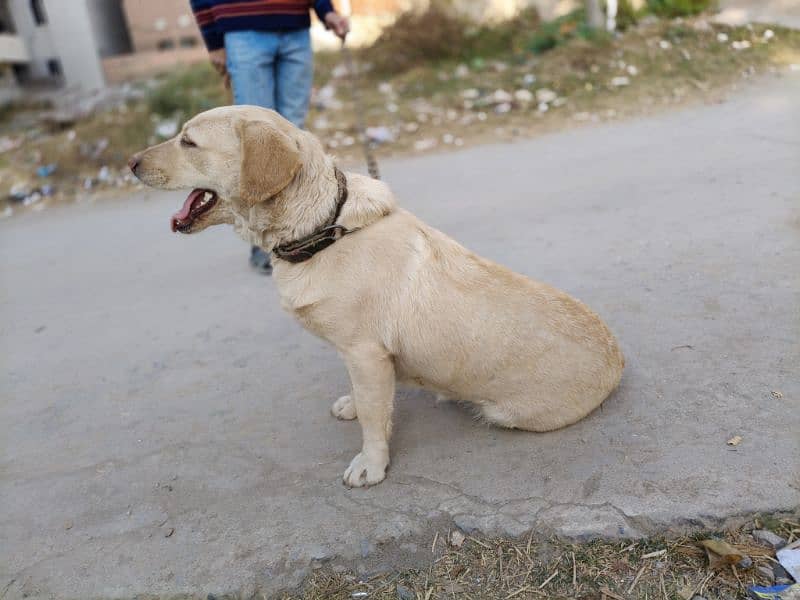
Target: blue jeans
(273, 69)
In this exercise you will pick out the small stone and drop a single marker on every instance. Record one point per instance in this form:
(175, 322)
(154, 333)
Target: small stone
(470, 94)
(319, 552)
(457, 539)
(698, 597)
(632, 70)
(543, 107)
(523, 96)
(461, 71)
(765, 536)
(545, 95)
(501, 97)
(167, 129)
(745, 563)
(741, 45)
(385, 87)
(620, 81)
(769, 34)
(502, 108)
(766, 572)
(722, 38)
(425, 144)
(664, 45)
(379, 135)
(529, 78)
(403, 593)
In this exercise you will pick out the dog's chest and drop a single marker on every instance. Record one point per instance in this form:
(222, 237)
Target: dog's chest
(314, 310)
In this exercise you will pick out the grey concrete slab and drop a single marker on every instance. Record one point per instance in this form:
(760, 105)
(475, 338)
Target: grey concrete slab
(165, 426)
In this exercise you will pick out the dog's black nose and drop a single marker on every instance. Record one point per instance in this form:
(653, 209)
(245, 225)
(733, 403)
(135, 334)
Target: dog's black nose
(133, 163)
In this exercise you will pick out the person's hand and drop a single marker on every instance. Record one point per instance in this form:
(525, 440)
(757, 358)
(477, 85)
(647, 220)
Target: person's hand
(337, 23)
(219, 62)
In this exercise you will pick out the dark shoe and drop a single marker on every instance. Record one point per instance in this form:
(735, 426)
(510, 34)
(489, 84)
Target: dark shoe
(259, 260)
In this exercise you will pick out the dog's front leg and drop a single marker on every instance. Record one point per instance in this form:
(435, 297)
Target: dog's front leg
(372, 376)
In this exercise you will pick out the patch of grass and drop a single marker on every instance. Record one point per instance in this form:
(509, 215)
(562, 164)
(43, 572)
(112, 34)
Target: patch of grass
(187, 92)
(419, 37)
(679, 8)
(659, 567)
(627, 15)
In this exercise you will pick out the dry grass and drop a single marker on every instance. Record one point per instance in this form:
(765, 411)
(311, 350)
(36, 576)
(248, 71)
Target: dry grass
(659, 568)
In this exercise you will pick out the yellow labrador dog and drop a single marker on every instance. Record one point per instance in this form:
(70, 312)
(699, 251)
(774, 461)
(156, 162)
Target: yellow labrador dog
(398, 299)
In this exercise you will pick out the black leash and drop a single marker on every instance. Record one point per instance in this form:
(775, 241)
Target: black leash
(369, 155)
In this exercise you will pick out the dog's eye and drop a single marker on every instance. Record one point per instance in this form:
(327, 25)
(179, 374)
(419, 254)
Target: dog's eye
(186, 142)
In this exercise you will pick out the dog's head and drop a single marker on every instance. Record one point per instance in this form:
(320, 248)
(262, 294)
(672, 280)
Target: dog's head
(231, 158)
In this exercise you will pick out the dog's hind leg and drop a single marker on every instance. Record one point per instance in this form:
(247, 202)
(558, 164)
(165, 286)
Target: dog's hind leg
(499, 415)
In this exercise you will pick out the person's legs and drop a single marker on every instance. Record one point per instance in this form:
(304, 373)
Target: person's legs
(251, 57)
(251, 60)
(294, 74)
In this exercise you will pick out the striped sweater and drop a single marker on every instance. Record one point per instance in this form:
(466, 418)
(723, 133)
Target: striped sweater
(215, 17)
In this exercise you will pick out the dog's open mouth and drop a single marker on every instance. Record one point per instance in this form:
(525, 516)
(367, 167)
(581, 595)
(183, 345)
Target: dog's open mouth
(198, 202)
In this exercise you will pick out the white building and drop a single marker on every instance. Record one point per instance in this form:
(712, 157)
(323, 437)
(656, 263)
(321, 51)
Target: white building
(60, 42)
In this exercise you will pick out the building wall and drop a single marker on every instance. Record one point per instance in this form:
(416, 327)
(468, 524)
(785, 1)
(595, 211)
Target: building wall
(74, 42)
(110, 27)
(35, 37)
(156, 24)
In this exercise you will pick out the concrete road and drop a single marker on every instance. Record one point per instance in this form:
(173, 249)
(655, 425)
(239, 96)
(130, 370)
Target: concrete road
(165, 426)
(773, 12)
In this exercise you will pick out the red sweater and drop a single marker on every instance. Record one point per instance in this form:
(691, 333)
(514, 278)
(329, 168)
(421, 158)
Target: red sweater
(215, 17)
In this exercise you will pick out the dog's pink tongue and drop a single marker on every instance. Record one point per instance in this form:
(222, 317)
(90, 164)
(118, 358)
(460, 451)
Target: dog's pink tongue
(183, 213)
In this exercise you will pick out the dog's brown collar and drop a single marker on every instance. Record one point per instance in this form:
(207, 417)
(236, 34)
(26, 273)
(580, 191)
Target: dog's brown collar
(306, 247)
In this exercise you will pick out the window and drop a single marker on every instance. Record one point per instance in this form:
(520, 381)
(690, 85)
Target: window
(39, 16)
(54, 67)
(188, 42)
(166, 44)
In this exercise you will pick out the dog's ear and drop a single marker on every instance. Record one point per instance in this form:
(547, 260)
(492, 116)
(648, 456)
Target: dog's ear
(270, 160)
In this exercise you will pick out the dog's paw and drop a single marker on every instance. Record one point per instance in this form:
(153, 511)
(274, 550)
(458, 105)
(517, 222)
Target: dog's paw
(366, 469)
(344, 408)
